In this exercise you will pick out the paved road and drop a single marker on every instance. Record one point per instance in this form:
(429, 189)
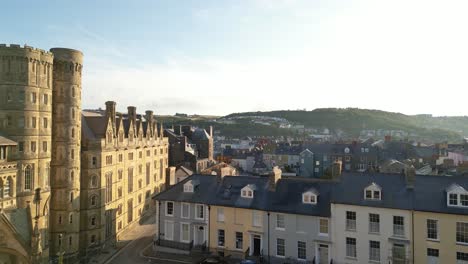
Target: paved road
(131, 253)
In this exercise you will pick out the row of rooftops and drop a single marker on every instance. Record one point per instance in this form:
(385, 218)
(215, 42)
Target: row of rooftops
(423, 193)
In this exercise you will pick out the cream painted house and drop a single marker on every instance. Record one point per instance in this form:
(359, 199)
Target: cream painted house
(372, 219)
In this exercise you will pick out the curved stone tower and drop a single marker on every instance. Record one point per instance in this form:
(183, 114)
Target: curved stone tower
(65, 164)
(26, 117)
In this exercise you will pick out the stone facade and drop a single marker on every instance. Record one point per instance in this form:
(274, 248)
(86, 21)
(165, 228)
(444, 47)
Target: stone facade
(124, 162)
(65, 164)
(25, 117)
(66, 187)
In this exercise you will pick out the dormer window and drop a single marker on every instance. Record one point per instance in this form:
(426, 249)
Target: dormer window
(457, 196)
(189, 186)
(310, 197)
(248, 191)
(373, 192)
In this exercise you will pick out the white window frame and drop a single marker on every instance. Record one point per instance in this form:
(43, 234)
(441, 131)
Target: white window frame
(319, 227)
(188, 188)
(247, 193)
(456, 229)
(220, 214)
(167, 207)
(182, 210)
(224, 238)
(284, 222)
(373, 188)
(197, 206)
(309, 198)
(256, 218)
(284, 248)
(165, 230)
(182, 232)
(437, 230)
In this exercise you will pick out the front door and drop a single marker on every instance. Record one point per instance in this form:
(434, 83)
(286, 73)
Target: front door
(256, 245)
(323, 254)
(200, 235)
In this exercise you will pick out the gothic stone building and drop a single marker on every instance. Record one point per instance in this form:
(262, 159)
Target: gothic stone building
(123, 162)
(70, 182)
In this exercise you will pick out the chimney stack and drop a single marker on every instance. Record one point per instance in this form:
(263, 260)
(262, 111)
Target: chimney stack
(170, 176)
(336, 170)
(110, 113)
(274, 177)
(132, 114)
(410, 177)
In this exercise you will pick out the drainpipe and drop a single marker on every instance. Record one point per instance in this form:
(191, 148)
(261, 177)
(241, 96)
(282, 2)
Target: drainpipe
(268, 217)
(159, 221)
(208, 238)
(412, 233)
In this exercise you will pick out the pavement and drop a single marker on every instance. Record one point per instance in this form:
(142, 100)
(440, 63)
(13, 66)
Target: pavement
(136, 246)
(131, 243)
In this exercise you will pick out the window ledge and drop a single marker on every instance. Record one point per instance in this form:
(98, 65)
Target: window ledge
(351, 258)
(374, 261)
(433, 240)
(280, 229)
(462, 243)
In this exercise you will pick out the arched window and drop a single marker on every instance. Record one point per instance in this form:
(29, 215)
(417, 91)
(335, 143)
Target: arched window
(94, 181)
(71, 197)
(28, 177)
(72, 132)
(70, 218)
(73, 113)
(72, 176)
(93, 200)
(93, 220)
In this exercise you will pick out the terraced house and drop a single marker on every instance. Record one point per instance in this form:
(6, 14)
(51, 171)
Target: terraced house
(249, 217)
(352, 218)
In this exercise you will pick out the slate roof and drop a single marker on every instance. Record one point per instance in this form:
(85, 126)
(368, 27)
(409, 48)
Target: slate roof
(18, 217)
(228, 192)
(7, 142)
(201, 193)
(200, 134)
(288, 197)
(395, 194)
(431, 195)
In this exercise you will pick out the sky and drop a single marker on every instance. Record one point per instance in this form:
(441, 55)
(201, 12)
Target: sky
(223, 56)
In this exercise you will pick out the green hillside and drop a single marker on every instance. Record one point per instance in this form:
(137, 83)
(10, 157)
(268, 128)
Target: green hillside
(353, 120)
(350, 120)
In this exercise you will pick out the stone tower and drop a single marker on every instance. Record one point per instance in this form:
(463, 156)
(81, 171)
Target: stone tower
(65, 163)
(26, 118)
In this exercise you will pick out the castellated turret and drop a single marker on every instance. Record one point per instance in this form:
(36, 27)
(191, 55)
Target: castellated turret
(25, 117)
(65, 164)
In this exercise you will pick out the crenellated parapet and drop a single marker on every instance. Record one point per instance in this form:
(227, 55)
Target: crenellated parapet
(25, 65)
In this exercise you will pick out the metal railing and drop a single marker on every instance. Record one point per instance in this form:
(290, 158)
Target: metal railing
(175, 244)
